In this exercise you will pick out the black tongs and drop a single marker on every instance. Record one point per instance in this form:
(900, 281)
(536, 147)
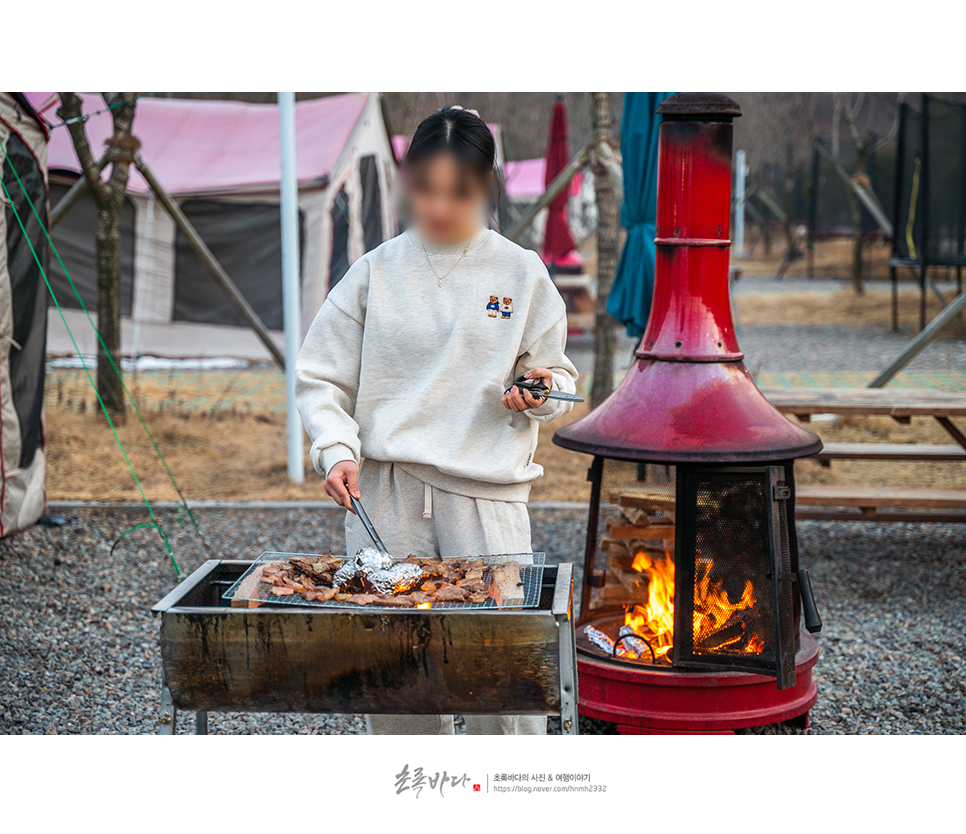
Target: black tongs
(376, 540)
(536, 388)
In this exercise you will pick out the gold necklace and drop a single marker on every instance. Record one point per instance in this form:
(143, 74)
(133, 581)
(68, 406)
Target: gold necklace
(458, 262)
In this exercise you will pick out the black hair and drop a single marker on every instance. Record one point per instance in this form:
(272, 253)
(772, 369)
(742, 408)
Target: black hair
(463, 134)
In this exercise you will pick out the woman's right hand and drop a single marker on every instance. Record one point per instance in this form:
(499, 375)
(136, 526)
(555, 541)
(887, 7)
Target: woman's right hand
(342, 479)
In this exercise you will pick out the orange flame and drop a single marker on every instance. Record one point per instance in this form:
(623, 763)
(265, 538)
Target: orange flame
(655, 620)
(714, 612)
(424, 605)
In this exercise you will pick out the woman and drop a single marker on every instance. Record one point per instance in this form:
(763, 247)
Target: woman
(407, 365)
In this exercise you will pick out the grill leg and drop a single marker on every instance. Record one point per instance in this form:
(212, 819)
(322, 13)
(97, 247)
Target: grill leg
(169, 713)
(568, 677)
(201, 723)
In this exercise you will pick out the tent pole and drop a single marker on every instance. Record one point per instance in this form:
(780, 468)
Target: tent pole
(291, 286)
(74, 193)
(210, 263)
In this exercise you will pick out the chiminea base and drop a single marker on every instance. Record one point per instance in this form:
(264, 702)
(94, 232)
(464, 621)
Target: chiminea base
(643, 701)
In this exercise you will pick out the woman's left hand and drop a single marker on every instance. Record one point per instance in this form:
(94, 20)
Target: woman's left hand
(517, 400)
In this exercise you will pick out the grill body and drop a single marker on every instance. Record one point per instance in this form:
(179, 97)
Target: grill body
(293, 659)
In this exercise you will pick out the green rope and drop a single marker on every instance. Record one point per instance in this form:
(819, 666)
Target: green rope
(117, 370)
(164, 536)
(110, 422)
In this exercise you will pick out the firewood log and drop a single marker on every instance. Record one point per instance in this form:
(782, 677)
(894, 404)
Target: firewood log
(642, 500)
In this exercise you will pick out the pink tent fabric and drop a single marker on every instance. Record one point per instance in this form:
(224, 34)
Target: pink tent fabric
(526, 178)
(400, 144)
(216, 146)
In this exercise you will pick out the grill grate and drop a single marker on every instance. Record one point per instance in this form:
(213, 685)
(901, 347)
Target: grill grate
(531, 573)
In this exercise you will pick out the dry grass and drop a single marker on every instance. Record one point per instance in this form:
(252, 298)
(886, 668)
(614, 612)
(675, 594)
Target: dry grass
(832, 259)
(871, 309)
(220, 456)
(238, 452)
(219, 442)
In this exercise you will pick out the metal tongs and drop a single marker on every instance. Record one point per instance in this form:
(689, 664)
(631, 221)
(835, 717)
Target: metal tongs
(536, 388)
(360, 511)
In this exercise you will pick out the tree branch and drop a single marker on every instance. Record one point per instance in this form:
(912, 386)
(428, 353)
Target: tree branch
(893, 129)
(851, 116)
(70, 112)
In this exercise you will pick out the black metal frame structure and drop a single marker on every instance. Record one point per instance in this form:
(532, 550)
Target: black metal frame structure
(914, 245)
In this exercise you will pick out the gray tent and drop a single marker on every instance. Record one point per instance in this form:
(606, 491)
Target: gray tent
(23, 314)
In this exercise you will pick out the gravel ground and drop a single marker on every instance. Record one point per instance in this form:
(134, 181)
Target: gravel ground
(78, 644)
(791, 348)
(784, 348)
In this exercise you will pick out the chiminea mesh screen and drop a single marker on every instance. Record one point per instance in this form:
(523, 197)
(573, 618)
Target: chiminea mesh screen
(733, 571)
(691, 566)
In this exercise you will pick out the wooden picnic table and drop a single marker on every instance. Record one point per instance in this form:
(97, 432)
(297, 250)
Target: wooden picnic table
(879, 502)
(902, 404)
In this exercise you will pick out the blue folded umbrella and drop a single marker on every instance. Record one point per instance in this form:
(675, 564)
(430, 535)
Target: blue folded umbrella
(630, 296)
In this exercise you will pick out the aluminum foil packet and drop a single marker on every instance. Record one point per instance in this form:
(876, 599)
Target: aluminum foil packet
(397, 579)
(632, 642)
(379, 569)
(599, 639)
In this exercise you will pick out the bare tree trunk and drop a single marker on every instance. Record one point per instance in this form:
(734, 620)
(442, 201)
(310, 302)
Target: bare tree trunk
(766, 232)
(109, 197)
(608, 252)
(836, 124)
(855, 218)
(107, 253)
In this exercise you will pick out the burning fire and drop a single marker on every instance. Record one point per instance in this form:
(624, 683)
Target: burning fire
(655, 621)
(424, 605)
(716, 622)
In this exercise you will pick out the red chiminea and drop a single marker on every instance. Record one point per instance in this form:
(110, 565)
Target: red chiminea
(692, 593)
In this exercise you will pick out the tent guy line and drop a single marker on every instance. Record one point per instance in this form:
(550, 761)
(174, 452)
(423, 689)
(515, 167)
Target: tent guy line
(114, 364)
(156, 523)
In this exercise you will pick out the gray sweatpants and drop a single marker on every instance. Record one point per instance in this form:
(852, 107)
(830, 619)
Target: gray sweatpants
(413, 517)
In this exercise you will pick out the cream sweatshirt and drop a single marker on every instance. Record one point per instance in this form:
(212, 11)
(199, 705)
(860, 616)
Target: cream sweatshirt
(399, 369)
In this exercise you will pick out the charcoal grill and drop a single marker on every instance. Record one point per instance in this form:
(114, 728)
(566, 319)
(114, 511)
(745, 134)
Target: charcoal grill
(286, 658)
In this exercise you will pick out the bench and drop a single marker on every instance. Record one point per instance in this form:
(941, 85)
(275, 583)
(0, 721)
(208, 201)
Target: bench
(890, 451)
(859, 503)
(874, 503)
